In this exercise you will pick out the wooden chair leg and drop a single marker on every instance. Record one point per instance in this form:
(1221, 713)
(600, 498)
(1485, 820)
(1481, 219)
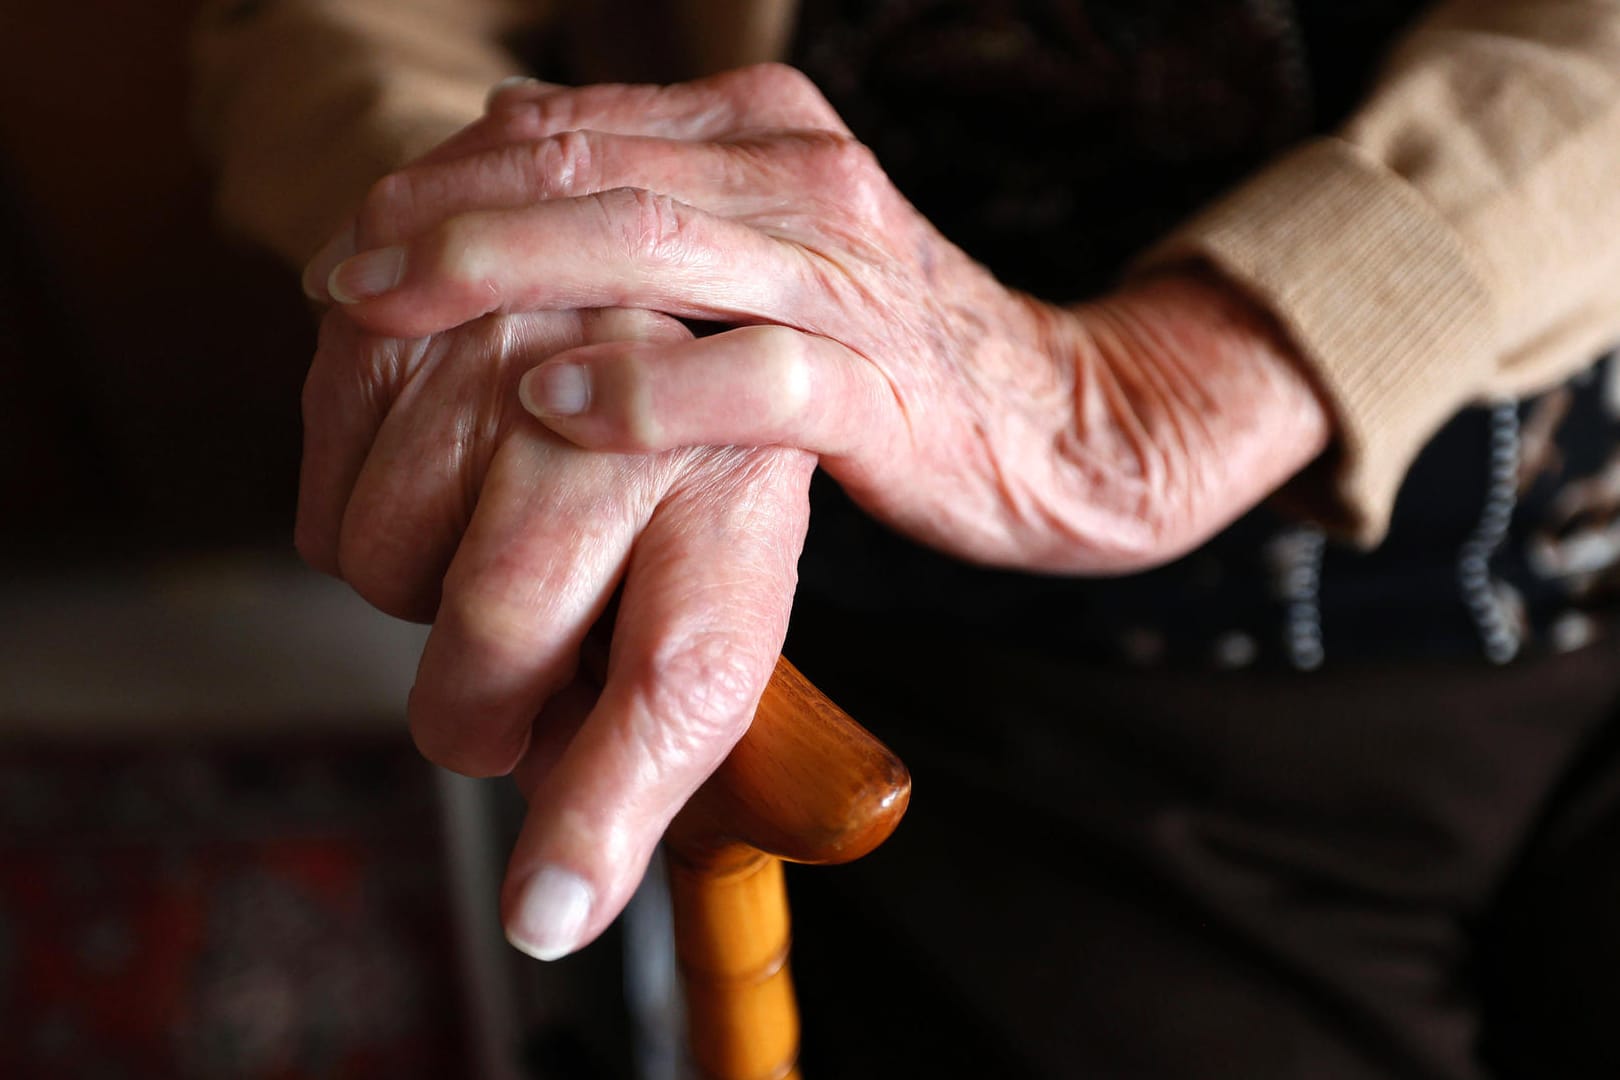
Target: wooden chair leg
(807, 784)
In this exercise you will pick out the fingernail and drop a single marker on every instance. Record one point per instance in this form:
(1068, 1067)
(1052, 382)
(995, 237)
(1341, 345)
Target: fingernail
(367, 275)
(337, 249)
(556, 390)
(552, 910)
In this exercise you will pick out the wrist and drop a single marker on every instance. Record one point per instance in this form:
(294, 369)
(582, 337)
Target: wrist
(1219, 391)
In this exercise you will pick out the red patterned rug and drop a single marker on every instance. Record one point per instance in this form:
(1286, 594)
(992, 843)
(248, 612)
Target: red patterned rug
(242, 912)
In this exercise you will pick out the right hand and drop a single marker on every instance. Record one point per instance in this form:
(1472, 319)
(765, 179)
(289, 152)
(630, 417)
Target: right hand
(1102, 437)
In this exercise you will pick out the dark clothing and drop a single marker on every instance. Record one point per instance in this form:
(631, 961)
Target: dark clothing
(1055, 139)
(1361, 872)
(1267, 812)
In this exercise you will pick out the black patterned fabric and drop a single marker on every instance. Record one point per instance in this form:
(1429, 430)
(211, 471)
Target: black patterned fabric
(1141, 846)
(1052, 140)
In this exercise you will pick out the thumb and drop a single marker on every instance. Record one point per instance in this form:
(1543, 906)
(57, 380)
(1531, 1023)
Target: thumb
(756, 386)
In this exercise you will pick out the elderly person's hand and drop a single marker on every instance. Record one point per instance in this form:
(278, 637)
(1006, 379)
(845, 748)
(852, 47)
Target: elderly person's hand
(427, 488)
(1099, 438)
(1004, 430)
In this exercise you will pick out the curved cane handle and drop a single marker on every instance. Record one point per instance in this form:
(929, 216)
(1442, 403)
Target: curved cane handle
(806, 784)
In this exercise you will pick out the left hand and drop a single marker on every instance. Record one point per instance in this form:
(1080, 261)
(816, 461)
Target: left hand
(426, 488)
(1099, 438)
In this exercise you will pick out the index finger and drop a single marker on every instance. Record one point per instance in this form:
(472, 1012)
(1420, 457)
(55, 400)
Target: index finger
(761, 97)
(701, 624)
(623, 248)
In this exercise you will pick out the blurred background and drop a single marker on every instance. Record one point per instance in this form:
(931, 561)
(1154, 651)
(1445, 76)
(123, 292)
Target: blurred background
(219, 854)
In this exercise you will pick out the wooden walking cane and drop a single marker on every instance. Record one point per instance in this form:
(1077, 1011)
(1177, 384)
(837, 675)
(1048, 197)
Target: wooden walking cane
(806, 784)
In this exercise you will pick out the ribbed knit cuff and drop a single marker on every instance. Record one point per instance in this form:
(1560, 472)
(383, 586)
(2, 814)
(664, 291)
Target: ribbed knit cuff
(1380, 297)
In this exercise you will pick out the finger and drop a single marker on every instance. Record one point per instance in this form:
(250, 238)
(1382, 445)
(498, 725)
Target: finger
(533, 571)
(539, 560)
(621, 248)
(757, 386)
(551, 733)
(762, 97)
(704, 614)
(731, 179)
(345, 401)
(415, 493)
(525, 118)
(412, 499)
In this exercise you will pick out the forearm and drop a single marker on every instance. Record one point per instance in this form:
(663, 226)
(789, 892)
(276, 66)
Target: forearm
(303, 104)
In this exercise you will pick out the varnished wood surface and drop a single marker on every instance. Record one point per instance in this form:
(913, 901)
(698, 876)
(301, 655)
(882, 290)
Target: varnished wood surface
(732, 925)
(808, 784)
(731, 939)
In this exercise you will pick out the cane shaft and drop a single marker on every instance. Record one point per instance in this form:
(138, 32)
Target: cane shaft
(732, 936)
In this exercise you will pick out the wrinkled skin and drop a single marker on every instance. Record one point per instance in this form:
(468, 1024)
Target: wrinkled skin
(427, 488)
(1096, 439)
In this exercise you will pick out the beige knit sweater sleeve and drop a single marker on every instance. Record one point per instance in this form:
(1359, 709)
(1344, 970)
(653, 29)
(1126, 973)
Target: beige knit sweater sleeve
(1458, 241)
(303, 104)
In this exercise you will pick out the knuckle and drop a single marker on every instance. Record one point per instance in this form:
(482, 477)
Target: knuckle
(563, 164)
(460, 263)
(514, 118)
(783, 357)
(848, 168)
(637, 424)
(701, 692)
(448, 248)
(546, 116)
(783, 80)
(784, 84)
(655, 227)
(851, 158)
